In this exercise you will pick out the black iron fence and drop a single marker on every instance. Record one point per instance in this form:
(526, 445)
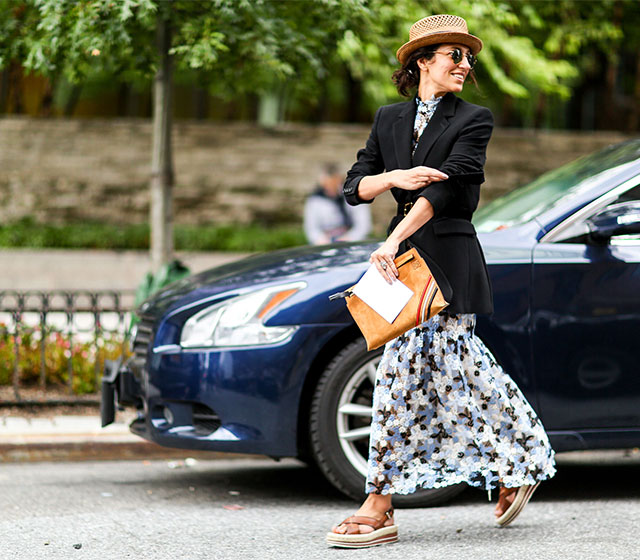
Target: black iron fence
(53, 344)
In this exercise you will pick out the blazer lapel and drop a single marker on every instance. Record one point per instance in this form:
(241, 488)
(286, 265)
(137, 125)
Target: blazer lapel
(437, 125)
(403, 133)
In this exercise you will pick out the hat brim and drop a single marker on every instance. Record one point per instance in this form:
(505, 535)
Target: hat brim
(471, 41)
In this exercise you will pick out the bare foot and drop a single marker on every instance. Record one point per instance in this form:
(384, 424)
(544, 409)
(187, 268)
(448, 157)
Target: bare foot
(376, 505)
(505, 499)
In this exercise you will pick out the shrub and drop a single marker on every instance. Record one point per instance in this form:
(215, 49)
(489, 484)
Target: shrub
(249, 238)
(58, 350)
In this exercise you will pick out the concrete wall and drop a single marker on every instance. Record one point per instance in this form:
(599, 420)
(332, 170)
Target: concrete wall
(58, 170)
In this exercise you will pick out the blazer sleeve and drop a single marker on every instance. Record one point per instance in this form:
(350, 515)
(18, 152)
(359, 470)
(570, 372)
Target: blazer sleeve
(369, 162)
(465, 163)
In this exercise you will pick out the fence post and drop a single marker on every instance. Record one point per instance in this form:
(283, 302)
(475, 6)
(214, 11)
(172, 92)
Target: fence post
(44, 307)
(96, 335)
(70, 299)
(16, 315)
(121, 320)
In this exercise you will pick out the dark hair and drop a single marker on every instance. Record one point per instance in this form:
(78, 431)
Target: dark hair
(330, 168)
(408, 77)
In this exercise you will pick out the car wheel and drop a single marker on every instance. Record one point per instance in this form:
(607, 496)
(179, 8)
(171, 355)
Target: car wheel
(340, 424)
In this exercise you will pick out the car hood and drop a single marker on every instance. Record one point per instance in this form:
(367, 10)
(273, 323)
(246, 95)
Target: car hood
(509, 246)
(261, 269)
(303, 262)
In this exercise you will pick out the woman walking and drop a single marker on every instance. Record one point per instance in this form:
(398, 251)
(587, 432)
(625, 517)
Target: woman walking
(444, 411)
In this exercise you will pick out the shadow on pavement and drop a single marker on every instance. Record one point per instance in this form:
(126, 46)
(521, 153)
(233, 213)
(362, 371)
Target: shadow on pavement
(295, 482)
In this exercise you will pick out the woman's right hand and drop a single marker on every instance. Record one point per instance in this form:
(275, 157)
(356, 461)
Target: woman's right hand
(415, 178)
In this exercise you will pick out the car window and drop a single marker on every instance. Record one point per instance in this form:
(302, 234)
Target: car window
(579, 230)
(632, 195)
(629, 196)
(546, 192)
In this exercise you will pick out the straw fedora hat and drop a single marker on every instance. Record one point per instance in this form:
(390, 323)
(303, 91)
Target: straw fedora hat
(443, 28)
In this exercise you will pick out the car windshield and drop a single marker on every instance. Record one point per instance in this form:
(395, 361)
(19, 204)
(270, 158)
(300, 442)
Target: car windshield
(543, 194)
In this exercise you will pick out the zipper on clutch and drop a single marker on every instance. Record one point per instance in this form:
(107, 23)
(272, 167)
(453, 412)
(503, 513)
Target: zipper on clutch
(341, 295)
(407, 260)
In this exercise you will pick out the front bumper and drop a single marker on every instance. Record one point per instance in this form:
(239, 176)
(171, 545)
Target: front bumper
(120, 388)
(233, 400)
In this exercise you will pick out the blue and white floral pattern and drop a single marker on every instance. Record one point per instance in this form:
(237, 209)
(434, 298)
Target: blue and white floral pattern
(424, 112)
(445, 412)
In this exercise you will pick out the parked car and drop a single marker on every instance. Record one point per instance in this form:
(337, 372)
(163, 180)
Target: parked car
(252, 357)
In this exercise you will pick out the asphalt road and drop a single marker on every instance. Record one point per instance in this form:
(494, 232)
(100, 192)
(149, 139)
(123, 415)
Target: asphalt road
(258, 509)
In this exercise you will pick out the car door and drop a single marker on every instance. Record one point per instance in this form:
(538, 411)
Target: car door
(586, 326)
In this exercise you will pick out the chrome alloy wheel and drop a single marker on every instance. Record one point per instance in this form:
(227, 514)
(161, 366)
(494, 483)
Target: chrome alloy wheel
(353, 419)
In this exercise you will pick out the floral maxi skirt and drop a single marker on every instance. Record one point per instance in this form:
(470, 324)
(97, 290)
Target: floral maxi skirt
(445, 412)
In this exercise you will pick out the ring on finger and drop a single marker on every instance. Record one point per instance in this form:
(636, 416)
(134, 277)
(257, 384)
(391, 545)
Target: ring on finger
(384, 266)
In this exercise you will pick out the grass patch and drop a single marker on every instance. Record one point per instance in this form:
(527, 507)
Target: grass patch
(237, 238)
(29, 234)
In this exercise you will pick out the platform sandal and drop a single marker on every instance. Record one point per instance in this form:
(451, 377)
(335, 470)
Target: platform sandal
(353, 538)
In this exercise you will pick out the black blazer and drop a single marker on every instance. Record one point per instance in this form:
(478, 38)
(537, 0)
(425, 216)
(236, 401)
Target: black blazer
(455, 142)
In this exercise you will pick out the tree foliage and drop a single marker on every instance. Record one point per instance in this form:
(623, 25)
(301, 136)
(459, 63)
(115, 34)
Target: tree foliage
(247, 42)
(307, 50)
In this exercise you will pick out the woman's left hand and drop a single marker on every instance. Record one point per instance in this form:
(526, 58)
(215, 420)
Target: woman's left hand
(383, 259)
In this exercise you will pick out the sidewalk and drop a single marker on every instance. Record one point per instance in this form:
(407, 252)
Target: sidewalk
(66, 269)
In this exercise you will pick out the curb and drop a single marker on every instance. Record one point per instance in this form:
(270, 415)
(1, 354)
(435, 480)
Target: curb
(81, 438)
(103, 451)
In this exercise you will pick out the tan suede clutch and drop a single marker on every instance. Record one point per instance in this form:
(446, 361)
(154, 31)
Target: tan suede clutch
(427, 301)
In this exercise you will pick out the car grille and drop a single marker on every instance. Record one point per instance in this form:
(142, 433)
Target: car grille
(205, 420)
(141, 343)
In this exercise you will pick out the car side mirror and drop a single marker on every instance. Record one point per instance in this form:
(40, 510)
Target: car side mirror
(619, 219)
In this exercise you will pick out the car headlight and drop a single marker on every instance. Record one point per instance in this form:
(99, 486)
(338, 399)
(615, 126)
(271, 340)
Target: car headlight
(239, 321)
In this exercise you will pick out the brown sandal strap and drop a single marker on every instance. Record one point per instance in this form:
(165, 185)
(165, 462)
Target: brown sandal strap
(372, 522)
(362, 520)
(505, 493)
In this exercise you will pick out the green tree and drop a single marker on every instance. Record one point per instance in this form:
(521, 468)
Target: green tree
(247, 44)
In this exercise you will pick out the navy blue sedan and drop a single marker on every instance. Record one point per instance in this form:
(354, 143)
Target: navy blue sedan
(252, 357)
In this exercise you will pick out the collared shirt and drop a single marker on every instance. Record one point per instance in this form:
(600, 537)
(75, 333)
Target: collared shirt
(424, 113)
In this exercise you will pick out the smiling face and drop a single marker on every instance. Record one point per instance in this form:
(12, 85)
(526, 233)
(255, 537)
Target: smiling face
(441, 74)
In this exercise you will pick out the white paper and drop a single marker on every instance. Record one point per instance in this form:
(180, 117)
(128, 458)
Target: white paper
(387, 300)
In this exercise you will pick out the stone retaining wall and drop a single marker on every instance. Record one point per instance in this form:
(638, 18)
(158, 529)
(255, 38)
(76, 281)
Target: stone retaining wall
(57, 170)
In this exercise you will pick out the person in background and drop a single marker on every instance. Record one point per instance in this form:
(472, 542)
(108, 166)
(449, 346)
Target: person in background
(327, 216)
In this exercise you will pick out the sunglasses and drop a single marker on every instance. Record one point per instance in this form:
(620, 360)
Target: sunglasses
(456, 55)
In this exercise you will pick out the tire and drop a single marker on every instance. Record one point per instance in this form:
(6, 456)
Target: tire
(342, 405)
